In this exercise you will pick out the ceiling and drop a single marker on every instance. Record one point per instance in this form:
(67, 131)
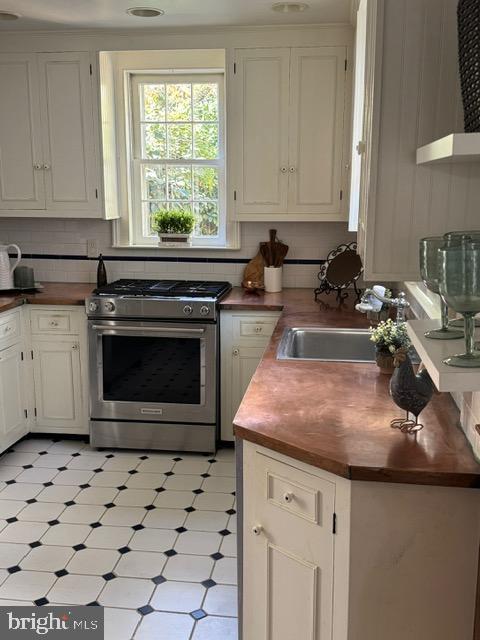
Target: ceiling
(111, 14)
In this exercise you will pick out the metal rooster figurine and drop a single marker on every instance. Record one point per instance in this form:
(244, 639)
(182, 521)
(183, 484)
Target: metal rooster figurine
(410, 391)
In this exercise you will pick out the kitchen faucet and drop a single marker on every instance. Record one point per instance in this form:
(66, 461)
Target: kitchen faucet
(400, 303)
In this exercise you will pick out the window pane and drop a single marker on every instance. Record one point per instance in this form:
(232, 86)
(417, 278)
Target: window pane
(206, 141)
(179, 102)
(206, 214)
(154, 142)
(154, 182)
(179, 141)
(205, 183)
(153, 107)
(179, 183)
(205, 102)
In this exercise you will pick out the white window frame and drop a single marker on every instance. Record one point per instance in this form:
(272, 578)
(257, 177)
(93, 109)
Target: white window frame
(137, 238)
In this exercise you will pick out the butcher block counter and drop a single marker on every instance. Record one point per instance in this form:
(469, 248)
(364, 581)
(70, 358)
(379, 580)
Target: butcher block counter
(336, 416)
(55, 293)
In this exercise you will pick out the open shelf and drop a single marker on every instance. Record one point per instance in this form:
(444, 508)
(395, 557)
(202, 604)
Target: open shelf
(456, 147)
(432, 354)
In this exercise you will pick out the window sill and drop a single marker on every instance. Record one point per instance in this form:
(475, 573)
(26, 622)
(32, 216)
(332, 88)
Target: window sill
(150, 247)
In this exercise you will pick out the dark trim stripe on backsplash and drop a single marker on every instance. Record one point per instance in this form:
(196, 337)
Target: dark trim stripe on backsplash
(51, 256)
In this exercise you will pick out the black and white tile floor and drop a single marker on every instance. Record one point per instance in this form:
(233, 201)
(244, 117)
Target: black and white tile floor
(149, 536)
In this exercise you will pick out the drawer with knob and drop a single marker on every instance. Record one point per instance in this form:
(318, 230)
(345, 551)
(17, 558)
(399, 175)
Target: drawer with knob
(256, 328)
(10, 328)
(293, 490)
(52, 321)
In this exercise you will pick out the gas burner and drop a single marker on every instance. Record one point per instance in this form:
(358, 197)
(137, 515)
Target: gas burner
(166, 288)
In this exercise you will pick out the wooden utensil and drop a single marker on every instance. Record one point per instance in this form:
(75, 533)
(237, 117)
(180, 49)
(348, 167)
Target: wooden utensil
(281, 251)
(265, 251)
(272, 242)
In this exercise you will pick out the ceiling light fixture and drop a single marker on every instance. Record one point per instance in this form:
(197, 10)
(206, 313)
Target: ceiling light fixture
(290, 7)
(8, 15)
(145, 12)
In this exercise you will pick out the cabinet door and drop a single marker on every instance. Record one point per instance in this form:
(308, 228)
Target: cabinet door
(317, 111)
(58, 384)
(238, 367)
(288, 553)
(21, 184)
(261, 130)
(71, 167)
(13, 422)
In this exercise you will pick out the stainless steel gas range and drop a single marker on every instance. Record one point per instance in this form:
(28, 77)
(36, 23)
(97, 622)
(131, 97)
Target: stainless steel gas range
(154, 364)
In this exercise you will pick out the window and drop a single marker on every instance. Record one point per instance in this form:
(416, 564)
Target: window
(178, 159)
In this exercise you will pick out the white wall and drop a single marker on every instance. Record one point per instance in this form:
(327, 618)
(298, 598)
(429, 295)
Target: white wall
(307, 241)
(420, 101)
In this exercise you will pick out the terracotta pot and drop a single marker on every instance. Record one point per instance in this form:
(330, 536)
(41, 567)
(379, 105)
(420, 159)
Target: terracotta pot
(384, 360)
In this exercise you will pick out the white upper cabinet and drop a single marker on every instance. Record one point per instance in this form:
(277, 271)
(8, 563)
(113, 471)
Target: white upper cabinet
(71, 169)
(48, 152)
(261, 104)
(289, 133)
(21, 177)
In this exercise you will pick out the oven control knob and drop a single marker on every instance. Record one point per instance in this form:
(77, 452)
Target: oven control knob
(187, 310)
(93, 306)
(204, 310)
(109, 306)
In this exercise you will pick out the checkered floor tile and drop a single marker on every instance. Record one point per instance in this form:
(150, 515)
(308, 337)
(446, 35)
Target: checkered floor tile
(150, 536)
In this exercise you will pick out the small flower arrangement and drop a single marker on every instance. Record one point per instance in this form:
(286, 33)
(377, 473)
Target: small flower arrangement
(388, 336)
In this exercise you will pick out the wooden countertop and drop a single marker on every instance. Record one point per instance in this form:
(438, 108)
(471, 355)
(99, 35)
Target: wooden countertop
(336, 416)
(55, 293)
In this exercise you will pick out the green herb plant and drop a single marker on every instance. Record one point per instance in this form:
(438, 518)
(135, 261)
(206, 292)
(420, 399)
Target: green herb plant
(173, 222)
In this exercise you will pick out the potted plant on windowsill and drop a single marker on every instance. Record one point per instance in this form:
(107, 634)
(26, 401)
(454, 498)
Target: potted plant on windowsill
(388, 337)
(174, 228)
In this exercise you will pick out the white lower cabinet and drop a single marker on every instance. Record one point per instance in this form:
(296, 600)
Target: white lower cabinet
(243, 338)
(288, 583)
(13, 412)
(59, 359)
(58, 385)
(326, 558)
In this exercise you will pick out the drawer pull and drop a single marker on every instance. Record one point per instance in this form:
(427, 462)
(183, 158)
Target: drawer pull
(258, 329)
(7, 329)
(53, 323)
(257, 529)
(288, 497)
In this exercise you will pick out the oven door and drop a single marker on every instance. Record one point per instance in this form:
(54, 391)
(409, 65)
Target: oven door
(153, 371)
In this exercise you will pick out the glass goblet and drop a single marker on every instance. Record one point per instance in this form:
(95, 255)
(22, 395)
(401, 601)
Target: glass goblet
(429, 269)
(457, 237)
(459, 280)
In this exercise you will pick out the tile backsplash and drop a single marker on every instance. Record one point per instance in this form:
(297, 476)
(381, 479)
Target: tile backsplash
(309, 242)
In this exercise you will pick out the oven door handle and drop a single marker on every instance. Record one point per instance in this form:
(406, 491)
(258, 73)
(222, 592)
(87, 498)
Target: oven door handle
(159, 330)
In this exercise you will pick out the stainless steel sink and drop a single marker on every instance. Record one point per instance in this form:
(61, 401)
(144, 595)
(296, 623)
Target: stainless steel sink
(336, 345)
(339, 345)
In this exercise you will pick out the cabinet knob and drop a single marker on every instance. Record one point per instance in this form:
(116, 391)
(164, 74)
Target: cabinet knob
(288, 497)
(292, 169)
(38, 166)
(257, 529)
(75, 346)
(236, 352)
(46, 167)
(283, 169)
(8, 329)
(258, 329)
(54, 323)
